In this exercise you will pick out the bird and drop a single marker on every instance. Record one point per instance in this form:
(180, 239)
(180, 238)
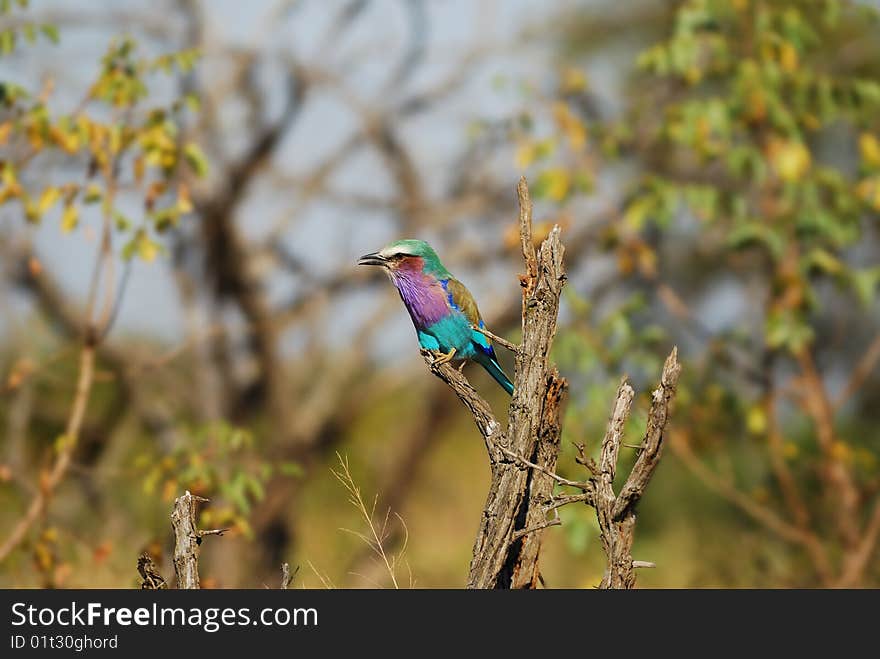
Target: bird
(442, 309)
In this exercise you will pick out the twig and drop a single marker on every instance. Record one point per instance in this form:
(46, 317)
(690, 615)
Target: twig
(65, 454)
(836, 476)
(790, 492)
(543, 525)
(860, 372)
(286, 576)
(855, 564)
(581, 485)
(563, 500)
(497, 339)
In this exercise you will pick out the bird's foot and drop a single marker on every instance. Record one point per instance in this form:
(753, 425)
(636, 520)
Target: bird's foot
(444, 357)
(461, 366)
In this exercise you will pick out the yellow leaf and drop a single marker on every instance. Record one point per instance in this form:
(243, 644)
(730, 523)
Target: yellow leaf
(790, 158)
(139, 167)
(147, 249)
(184, 202)
(693, 75)
(570, 125)
(69, 218)
(555, 183)
(115, 139)
(637, 212)
(756, 420)
(756, 104)
(841, 451)
(788, 57)
(869, 147)
(869, 191)
(8, 175)
(93, 194)
(30, 210)
(64, 442)
(5, 130)
(47, 199)
(525, 154)
(573, 81)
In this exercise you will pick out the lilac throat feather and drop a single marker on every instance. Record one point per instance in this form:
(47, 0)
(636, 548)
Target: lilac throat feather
(422, 294)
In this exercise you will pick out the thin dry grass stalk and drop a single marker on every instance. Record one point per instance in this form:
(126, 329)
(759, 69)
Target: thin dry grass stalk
(379, 531)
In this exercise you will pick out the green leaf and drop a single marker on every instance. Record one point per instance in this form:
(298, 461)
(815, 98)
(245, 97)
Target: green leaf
(92, 194)
(121, 221)
(7, 41)
(824, 261)
(788, 330)
(51, 32)
(755, 233)
(196, 159)
(865, 282)
(142, 246)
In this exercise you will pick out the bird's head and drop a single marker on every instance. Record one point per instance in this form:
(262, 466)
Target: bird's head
(408, 254)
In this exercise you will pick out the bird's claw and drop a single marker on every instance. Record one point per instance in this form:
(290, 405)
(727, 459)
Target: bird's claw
(444, 357)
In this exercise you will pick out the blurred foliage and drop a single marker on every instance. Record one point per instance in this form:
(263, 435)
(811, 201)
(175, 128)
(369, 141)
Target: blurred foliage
(215, 461)
(749, 137)
(730, 191)
(55, 163)
(112, 135)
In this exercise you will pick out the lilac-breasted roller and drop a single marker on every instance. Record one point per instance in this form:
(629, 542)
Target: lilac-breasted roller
(442, 309)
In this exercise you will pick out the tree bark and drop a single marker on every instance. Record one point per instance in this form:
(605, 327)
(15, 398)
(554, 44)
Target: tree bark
(188, 540)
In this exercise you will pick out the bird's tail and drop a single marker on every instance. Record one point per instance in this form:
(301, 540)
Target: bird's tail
(495, 370)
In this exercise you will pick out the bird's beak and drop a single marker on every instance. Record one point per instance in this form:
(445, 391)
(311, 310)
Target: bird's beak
(372, 259)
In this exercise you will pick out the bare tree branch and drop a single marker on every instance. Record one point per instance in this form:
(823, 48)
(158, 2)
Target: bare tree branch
(188, 540)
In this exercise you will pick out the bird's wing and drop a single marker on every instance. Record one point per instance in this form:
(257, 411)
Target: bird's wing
(460, 299)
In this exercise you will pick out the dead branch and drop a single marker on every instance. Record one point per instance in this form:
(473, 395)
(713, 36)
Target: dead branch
(523, 459)
(616, 514)
(649, 450)
(188, 540)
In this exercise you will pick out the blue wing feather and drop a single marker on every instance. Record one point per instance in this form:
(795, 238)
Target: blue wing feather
(481, 350)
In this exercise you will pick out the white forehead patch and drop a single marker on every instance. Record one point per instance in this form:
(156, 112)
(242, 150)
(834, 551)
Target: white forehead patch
(391, 251)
